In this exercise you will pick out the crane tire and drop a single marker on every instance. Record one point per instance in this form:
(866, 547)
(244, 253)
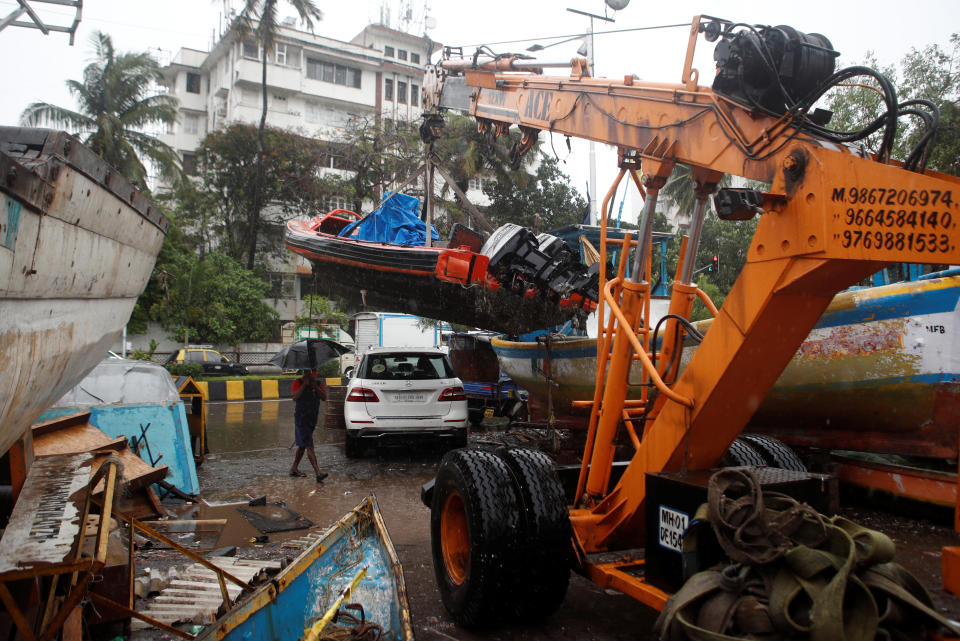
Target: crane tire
(775, 452)
(474, 520)
(742, 454)
(545, 547)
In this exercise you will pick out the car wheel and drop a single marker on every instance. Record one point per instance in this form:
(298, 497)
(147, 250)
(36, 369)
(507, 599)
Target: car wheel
(742, 454)
(545, 537)
(475, 416)
(473, 535)
(775, 453)
(353, 446)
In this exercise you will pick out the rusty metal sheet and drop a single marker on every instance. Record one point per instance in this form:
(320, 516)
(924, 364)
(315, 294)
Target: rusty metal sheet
(45, 522)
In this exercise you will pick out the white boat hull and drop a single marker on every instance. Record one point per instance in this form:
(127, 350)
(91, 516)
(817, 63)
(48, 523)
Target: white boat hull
(77, 247)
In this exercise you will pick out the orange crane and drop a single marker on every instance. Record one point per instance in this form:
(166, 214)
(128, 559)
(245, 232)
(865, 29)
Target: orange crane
(833, 214)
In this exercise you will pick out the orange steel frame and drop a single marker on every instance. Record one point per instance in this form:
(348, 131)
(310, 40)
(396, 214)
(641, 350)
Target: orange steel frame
(803, 252)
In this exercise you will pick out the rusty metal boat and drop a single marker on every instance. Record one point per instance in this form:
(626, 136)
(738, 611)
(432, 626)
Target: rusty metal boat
(77, 246)
(880, 372)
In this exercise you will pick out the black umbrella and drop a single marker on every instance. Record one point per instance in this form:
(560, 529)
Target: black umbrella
(308, 354)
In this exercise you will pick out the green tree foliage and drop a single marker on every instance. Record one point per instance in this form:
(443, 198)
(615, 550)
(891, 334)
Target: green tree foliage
(380, 155)
(932, 73)
(220, 202)
(260, 18)
(542, 201)
(115, 105)
(318, 310)
(212, 299)
(464, 152)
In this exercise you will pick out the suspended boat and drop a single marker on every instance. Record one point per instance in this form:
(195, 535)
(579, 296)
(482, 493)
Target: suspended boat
(880, 372)
(77, 246)
(512, 283)
(353, 563)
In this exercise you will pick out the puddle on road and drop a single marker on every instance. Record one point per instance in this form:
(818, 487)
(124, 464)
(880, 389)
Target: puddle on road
(245, 427)
(250, 455)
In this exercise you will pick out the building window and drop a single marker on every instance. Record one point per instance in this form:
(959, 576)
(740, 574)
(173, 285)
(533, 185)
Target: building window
(414, 94)
(329, 72)
(388, 89)
(313, 112)
(388, 52)
(415, 58)
(193, 82)
(402, 92)
(281, 54)
(353, 77)
(475, 183)
(191, 124)
(189, 164)
(282, 285)
(251, 49)
(402, 54)
(335, 202)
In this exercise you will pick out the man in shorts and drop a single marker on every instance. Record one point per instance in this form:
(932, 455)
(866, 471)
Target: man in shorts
(307, 394)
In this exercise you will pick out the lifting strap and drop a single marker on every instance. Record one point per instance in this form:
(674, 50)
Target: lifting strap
(793, 573)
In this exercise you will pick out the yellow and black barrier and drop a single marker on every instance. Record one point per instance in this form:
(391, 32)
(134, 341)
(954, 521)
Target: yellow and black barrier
(250, 390)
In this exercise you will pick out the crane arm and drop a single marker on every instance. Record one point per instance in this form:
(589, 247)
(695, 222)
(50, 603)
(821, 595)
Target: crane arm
(833, 215)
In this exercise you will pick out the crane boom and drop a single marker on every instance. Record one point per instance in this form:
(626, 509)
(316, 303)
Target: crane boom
(832, 215)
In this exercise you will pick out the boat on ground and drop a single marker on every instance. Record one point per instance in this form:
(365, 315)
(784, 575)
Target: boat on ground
(880, 372)
(77, 246)
(511, 283)
(307, 593)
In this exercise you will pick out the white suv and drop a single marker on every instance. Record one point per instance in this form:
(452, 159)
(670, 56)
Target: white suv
(404, 392)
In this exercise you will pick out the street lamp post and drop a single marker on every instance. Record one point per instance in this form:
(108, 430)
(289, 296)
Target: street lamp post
(593, 148)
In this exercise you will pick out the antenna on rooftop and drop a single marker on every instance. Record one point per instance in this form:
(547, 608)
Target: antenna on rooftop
(36, 22)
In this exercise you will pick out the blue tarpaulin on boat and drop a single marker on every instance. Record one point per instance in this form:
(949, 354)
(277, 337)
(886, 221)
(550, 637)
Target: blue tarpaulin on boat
(396, 222)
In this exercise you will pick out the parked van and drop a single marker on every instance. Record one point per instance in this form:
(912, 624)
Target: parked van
(385, 329)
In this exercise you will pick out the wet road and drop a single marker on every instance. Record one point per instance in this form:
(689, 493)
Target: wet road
(250, 444)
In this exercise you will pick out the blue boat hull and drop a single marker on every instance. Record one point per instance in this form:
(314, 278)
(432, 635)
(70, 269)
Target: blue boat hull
(305, 590)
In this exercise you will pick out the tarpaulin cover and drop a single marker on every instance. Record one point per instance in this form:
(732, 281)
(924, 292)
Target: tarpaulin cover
(396, 222)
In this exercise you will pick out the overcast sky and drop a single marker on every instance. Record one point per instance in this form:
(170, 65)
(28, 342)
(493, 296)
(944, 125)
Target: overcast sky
(35, 67)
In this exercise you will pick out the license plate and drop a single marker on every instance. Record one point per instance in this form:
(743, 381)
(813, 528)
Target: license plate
(408, 397)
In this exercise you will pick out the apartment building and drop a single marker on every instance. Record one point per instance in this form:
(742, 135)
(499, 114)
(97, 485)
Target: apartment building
(316, 85)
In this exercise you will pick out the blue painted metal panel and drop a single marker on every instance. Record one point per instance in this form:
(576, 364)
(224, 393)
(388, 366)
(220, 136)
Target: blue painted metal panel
(168, 435)
(10, 223)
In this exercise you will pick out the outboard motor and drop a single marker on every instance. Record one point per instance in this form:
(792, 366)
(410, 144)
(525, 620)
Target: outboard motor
(521, 261)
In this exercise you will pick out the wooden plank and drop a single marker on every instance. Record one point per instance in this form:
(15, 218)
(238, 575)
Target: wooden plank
(45, 522)
(75, 439)
(77, 418)
(137, 473)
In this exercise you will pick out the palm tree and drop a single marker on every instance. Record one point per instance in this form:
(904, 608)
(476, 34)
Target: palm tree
(115, 106)
(264, 13)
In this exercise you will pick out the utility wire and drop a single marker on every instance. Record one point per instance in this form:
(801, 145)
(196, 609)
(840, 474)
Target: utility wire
(580, 35)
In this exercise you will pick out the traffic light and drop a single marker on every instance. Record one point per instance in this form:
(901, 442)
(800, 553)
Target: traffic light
(714, 264)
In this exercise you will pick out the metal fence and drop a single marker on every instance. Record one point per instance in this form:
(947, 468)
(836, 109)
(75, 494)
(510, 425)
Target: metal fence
(246, 358)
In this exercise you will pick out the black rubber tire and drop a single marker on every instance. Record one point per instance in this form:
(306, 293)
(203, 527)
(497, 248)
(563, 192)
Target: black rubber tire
(545, 545)
(775, 453)
(475, 416)
(482, 483)
(460, 438)
(353, 446)
(741, 453)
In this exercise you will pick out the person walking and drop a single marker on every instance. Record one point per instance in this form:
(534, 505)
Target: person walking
(307, 393)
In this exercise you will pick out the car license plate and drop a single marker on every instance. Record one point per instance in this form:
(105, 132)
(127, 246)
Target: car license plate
(408, 397)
